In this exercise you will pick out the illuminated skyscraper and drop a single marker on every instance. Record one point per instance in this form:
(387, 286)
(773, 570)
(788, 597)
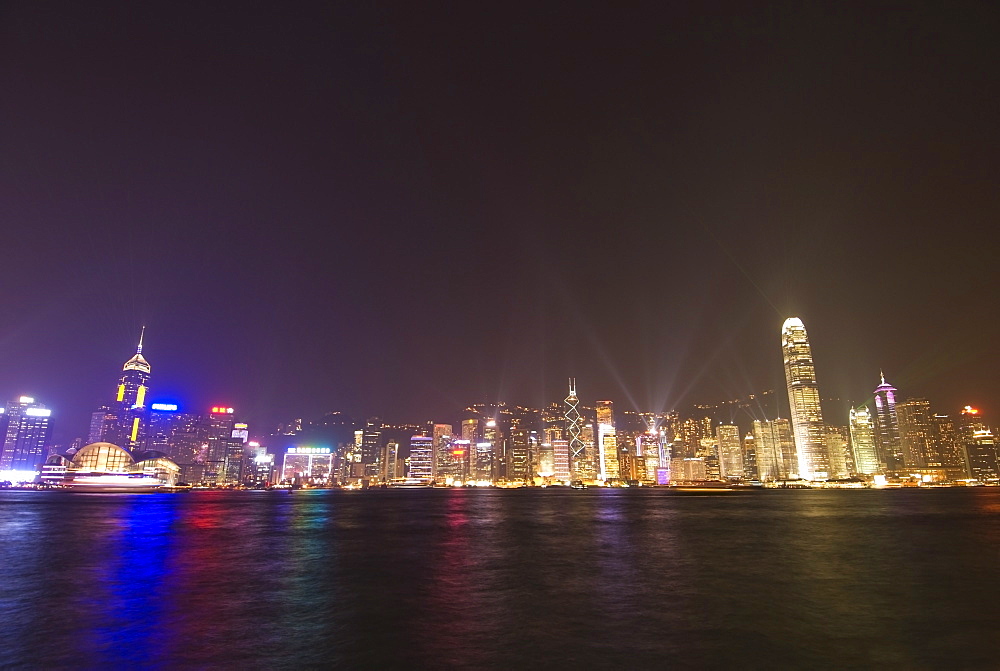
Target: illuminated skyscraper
(26, 434)
(390, 461)
(979, 445)
(775, 448)
(749, 457)
(422, 457)
(519, 453)
(863, 449)
(944, 442)
(730, 451)
(887, 427)
(914, 415)
(371, 448)
(838, 448)
(449, 464)
(803, 400)
(125, 424)
(607, 441)
(574, 429)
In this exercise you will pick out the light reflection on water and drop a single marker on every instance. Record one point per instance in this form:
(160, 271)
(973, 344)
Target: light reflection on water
(493, 578)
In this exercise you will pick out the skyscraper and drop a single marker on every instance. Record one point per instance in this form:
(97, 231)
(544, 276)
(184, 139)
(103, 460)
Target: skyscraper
(887, 427)
(803, 401)
(607, 441)
(126, 418)
(775, 448)
(914, 415)
(371, 448)
(422, 457)
(26, 435)
(863, 449)
(730, 451)
(574, 429)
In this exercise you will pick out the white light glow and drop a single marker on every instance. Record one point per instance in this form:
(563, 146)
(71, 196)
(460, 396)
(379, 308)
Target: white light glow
(18, 476)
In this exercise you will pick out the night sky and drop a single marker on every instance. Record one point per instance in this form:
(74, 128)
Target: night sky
(403, 209)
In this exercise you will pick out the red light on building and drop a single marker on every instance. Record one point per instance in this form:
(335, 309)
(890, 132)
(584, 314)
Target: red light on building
(220, 410)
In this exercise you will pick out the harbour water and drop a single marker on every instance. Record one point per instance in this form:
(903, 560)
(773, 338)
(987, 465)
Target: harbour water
(462, 578)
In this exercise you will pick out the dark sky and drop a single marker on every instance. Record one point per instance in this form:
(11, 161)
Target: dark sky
(403, 209)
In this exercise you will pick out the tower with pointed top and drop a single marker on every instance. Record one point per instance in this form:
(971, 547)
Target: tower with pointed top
(126, 419)
(887, 437)
(803, 401)
(574, 428)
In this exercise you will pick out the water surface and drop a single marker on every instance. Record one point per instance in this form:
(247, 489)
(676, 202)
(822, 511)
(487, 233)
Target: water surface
(501, 578)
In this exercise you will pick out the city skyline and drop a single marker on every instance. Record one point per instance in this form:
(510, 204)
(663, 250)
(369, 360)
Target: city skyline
(124, 420)
(355, 220)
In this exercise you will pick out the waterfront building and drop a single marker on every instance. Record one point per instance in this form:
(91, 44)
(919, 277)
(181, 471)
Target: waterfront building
(126, 417)
(838, 447)
(651, 451)
(215, 432)
(519, 453)
(887, 427)
(422, 457)
(371, 448)
(981, 454)
(26, 429)
(307, 465)
(578, 457)
(749, 457)
(97, 421)
(775, 447)
(561, 460)
(236, 461)
(863, 447)
(262, 471)
(107, 467)
(688, 469)
(914, 417)
(978, 445)
(462, 450)
(943, 441)
(730, 451)
(804, 401)
(607, 441)
(390, 462)
(493, 435)
(482, 462)
(446, 467)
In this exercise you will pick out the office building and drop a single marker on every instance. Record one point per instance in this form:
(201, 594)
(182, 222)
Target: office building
(307, 465)
(126, 417)
(774, 444)
(914, 417)
(607, 441)
(422, 457)
(804, 401)
(863, 447)
(26, 431)
(730, 451)
(887, 438)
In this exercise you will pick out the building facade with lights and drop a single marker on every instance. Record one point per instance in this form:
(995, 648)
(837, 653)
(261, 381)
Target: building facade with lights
(887, 438)
(125, 418)
(26, 428)
(804, 401)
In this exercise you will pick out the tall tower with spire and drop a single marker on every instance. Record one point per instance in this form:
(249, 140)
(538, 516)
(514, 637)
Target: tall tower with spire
(127, 416)
(574, 429)
(887, 437)
(803, 401)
